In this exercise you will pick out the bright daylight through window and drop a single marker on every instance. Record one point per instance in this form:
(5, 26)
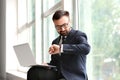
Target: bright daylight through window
(99, 19)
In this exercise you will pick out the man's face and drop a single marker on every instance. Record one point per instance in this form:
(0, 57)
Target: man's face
(62, 25)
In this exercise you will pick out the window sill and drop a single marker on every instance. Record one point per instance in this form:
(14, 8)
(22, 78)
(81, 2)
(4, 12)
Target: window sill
(17, 74)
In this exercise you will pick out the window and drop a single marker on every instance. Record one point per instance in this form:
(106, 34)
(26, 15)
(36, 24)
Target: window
(101, 21)
(49, 32)
(26, 22)
(31, 25)
(31, 21)
(22, 23)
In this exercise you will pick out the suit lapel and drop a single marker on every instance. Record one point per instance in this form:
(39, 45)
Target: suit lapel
(58, 40)
(70, 36)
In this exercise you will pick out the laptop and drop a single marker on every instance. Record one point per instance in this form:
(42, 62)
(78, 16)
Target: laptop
(26, 57)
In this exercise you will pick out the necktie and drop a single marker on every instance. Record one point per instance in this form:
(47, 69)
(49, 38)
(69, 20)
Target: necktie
(62, 40)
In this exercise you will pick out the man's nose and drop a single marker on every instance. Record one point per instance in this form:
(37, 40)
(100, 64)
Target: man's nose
(62, 28)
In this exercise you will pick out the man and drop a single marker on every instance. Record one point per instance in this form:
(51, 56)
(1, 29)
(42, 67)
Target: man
(69, 54)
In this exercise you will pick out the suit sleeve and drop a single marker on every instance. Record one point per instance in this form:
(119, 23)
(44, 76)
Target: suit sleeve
(78, 45)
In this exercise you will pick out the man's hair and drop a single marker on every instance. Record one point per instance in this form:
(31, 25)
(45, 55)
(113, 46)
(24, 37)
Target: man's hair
(60, 13)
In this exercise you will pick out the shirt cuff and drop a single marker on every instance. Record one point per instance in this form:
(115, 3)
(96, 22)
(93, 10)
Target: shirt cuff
(61, 48)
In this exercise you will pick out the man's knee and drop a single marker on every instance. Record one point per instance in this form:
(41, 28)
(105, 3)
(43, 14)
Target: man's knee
(32, 74)
(37, 73)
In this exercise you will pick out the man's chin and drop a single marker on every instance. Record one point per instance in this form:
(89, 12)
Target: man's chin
(63, 34)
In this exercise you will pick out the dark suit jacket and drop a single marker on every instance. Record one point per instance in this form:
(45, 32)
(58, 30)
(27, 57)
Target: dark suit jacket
(72, 62)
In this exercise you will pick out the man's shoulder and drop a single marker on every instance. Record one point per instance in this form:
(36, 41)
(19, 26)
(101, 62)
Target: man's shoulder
(77, 32)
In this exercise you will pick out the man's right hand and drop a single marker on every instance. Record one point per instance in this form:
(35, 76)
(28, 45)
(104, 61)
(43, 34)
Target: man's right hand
(54, 49)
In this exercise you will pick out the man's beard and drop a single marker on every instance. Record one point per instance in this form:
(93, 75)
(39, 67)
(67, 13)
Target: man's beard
(64, 33)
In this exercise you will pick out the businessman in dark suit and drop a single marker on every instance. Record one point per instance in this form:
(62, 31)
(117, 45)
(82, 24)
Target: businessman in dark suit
(70, 55)
(69, 50)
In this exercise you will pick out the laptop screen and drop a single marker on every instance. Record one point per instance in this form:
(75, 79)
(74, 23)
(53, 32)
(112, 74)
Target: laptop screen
(24, 55)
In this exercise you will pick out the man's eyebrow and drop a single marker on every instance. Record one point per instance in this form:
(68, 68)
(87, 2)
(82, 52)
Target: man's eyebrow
(58, 25)
(62, 24)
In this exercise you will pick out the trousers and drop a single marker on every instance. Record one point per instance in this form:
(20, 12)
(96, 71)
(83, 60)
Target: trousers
(42, 73)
